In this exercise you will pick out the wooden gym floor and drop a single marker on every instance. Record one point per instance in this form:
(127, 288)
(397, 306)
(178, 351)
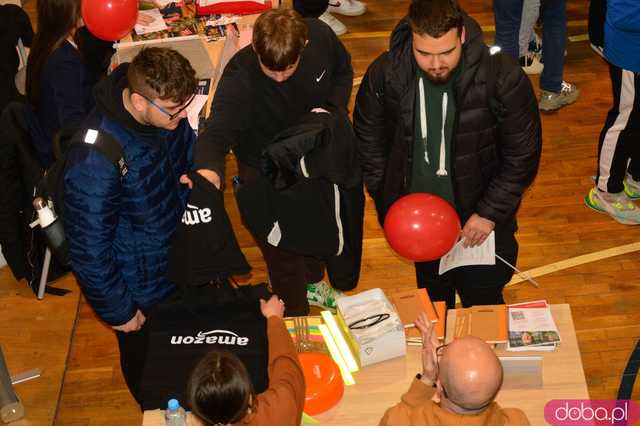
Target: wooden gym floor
(602, 288)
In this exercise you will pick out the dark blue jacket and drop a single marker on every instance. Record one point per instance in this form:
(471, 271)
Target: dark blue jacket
(65, 98)
(119, 228)
(622, 34)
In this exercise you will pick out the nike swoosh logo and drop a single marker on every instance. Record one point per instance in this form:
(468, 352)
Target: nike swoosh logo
(321, 75)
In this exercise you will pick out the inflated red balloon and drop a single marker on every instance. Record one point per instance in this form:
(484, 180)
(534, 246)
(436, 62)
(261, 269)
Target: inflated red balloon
(421, 227)
(110, 20)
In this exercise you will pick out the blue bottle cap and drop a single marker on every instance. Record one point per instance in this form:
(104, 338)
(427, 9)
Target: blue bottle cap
(173, 404)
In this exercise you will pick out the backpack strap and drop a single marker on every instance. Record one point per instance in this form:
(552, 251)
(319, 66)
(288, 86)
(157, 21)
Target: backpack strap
(494, 57)
(105, 144)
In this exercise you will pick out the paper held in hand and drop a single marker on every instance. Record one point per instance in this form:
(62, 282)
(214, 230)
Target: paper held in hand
(484, 254)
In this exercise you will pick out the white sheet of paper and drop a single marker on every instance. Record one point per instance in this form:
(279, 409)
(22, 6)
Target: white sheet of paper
(484, 254)
(193, 110)
(158, 23)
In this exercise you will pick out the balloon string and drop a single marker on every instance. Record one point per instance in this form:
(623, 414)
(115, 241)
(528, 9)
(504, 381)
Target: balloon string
(519, 272)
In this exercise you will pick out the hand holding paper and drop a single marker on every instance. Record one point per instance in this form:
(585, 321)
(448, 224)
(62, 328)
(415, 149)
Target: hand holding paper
(483, 254)
(476, 230)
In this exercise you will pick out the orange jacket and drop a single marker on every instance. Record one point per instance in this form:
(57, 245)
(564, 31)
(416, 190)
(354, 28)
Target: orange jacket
(282, 403)
(418, 409)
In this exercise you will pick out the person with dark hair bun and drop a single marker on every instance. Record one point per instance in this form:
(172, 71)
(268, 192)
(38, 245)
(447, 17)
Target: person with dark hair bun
(220, 391)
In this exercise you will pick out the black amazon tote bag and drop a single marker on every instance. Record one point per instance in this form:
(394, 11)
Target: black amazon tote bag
(209, 311)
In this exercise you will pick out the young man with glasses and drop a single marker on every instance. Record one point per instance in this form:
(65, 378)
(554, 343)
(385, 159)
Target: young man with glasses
(119, 225)
(292, 67)
(465, 375)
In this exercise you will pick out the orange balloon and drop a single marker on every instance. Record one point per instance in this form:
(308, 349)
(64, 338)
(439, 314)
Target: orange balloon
(324, 385)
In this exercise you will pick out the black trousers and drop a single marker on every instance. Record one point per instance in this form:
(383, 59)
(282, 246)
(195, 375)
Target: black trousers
(289, 273)
(133, 348)
(597, 13)
(619, 144)
(133, 354)
(476, 285)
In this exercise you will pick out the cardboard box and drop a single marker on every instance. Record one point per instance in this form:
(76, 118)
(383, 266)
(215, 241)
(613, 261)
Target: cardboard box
(389, 345)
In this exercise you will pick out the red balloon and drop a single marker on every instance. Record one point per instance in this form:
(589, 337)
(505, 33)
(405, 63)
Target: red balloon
(421, 227)
(110, 20)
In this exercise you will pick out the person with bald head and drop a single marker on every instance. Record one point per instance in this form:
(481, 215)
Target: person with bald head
(464, 376)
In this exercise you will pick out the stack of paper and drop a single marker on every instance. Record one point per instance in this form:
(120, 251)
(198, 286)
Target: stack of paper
(531, 327)
(410, 303)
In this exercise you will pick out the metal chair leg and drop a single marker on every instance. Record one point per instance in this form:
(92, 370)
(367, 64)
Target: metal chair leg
(45, 273)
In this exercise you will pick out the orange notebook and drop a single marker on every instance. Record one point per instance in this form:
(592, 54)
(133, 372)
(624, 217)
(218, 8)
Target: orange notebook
(487, 322)
(410, 303)
(441, 311)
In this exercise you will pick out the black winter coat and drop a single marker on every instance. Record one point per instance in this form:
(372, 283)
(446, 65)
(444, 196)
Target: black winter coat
(493, 160)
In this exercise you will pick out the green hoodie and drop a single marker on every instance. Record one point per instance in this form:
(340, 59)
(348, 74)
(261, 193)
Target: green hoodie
(434, 117)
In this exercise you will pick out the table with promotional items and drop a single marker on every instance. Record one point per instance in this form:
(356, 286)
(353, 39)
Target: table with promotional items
(380, 386)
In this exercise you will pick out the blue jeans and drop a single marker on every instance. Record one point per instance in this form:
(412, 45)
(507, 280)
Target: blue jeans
(554, 43)
(508, 14)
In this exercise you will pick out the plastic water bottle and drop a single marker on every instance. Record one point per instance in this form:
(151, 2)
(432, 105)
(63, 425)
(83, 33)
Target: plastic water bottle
(52, 229)
(175, 414)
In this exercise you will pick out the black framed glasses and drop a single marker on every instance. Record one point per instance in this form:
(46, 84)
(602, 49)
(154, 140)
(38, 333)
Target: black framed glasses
(163, 110)
(369, 321)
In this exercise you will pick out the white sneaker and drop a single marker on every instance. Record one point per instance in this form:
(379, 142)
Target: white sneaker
(348, 7)
(338, 27)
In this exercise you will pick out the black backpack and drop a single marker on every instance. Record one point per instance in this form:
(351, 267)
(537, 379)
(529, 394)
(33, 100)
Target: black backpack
(51, 186)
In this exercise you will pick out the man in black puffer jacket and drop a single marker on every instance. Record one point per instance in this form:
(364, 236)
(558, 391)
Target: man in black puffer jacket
(439, 113)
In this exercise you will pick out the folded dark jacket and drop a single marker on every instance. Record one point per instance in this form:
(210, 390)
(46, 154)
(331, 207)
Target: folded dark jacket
(321, 146)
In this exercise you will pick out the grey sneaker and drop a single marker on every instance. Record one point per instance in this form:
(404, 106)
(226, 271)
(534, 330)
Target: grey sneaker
(552, 101)
(618, 206)
(323, 295)
(631, 187)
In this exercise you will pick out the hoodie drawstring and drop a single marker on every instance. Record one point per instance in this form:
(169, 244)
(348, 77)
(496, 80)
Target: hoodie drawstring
(442, 169)
(423, 120)
(442, 166)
